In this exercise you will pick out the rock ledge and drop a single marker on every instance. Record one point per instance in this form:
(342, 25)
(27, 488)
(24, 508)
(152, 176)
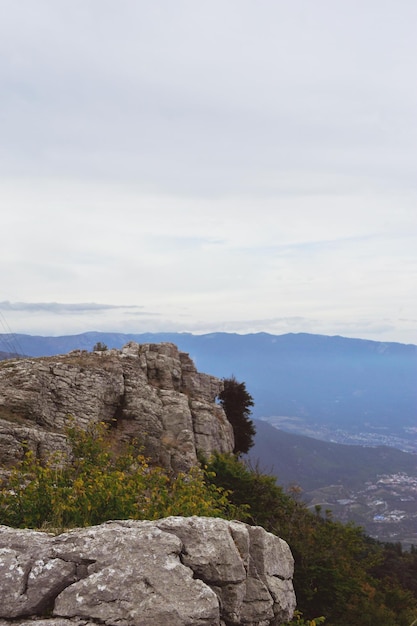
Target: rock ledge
(151, 393)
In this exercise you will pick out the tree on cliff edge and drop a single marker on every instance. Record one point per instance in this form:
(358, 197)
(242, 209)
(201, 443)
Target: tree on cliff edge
(236, 402)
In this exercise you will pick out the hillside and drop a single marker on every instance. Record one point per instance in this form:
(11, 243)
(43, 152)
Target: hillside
(373, 486)
(313, 464)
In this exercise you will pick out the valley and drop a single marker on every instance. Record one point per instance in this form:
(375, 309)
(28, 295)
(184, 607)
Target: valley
(374, 487)
(386, 507)
(404, 439)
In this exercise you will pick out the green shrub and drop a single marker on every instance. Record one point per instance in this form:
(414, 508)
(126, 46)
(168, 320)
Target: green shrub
(97, 485)
(237, 403)
(100, 347)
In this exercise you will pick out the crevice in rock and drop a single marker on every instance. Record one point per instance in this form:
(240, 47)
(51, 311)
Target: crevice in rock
(25, 578)
(73, 559)
(148, 584)
(45, 606)
(244, 558)
(279, 577)
(38, 450)
(82, 568)
(119, 413)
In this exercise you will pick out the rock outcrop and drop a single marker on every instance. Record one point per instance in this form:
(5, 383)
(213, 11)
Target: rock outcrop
(172, 572)
(151, 393)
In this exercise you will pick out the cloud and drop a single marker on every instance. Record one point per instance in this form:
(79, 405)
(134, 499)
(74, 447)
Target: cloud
(60, 308)
(202, 104)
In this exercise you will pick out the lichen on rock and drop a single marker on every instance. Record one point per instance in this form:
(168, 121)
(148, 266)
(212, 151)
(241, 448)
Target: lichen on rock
(178, 571)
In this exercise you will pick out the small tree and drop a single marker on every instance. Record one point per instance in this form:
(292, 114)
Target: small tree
(236, 402)
(100, 347)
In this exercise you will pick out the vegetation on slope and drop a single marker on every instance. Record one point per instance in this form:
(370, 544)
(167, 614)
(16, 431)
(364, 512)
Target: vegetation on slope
(98, 483)
(312, 463)
(339, 572)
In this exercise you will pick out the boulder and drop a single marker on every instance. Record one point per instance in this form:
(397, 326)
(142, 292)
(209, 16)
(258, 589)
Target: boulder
(174, 571)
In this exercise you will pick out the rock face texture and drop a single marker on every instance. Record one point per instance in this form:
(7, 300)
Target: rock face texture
(150, 392)
(172, 572)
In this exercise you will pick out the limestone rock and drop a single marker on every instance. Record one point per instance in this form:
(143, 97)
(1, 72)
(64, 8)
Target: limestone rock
(174, 571)
(151, 393)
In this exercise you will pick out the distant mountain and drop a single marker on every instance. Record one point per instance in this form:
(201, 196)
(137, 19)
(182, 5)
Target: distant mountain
(8, 355)
(327, 383)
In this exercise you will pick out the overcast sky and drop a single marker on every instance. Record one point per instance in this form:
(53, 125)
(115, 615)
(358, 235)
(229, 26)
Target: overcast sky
(209, 165)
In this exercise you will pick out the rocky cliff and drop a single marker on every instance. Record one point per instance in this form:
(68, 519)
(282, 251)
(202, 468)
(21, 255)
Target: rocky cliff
(151, 393)
(171, 572)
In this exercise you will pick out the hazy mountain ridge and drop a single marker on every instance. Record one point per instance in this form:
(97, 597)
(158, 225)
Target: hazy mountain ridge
(8, 355)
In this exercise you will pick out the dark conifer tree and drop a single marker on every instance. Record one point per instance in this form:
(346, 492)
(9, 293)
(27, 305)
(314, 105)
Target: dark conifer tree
(237, 403)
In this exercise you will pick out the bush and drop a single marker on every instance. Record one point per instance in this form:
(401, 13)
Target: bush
(237, 403)
(100, 347)
(98, 485)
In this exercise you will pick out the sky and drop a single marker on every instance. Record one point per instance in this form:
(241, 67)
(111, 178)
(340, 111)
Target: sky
(209, 166)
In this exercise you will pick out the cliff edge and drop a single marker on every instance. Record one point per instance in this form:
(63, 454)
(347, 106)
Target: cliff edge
(151, 393)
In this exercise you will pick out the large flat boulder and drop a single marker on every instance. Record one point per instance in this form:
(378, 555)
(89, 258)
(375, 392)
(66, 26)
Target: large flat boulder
(172, 572)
